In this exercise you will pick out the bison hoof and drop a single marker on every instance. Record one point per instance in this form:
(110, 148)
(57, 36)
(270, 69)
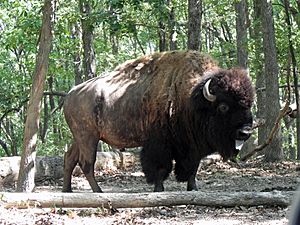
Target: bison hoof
(159, 188)
(192, 187)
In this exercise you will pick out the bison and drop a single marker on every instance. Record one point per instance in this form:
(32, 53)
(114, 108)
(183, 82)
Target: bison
(177, 105)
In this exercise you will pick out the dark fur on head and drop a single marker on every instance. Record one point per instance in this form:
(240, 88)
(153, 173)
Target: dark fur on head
(234, 89)
(236, 83)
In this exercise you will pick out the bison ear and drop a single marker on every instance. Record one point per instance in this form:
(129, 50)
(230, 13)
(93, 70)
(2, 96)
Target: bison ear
(206, 93)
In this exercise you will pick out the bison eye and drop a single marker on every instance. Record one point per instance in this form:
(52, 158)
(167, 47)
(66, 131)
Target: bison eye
(223, 108)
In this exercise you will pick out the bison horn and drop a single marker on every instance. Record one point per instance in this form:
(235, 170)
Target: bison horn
(210, 97)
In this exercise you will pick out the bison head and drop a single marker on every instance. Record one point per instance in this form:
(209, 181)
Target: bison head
(223, 103)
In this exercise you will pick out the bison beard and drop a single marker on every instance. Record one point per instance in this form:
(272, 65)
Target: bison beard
(177, 105)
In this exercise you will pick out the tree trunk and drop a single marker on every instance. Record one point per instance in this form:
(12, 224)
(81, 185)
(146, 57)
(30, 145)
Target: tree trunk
(241, 11)
(75, 30)
(141, 200)
(297, 118)
(137, 42)
(295, 73)
(273, 152)
(162, 43)
(194, 24)
(260, 78)
(89, 63)
(295, 12)
(52, 104)
(114, 40)
(241, 33)
(44, 124)
(289, 121)
(173, 38)
(290, 148)
(27, 167)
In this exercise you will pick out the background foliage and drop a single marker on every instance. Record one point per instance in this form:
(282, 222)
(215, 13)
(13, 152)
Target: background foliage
(123, 29)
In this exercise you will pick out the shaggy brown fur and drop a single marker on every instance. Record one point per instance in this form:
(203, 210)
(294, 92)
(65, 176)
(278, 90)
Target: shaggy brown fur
(156, 102)
(152, 86)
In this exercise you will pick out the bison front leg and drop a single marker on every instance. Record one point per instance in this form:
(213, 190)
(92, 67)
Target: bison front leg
(191, 183)
(156, 163)
(70, 161)
(161, 175)
(187, 171)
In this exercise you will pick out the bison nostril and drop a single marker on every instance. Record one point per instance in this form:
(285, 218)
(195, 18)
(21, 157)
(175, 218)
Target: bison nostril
(243, 133)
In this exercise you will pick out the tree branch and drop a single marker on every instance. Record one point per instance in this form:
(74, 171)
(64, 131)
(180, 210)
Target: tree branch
(56, 93)
(281, 86)
(13, 109)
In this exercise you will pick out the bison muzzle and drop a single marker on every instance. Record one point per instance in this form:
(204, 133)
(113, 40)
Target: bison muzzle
(179, 106)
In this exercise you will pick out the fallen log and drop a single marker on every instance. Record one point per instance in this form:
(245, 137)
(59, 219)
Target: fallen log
(51, 167)
(140, 200)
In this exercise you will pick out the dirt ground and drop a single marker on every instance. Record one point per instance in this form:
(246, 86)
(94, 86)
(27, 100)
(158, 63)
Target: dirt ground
(219, 176)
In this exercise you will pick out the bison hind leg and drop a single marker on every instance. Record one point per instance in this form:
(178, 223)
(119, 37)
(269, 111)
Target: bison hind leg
(87, 160)
(70, 161)
(156, 161)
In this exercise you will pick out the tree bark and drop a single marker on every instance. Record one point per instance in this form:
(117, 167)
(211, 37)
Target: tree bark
(258, 62)
(173, 38)
(194, 24)
(114, 40)
(52, 103)
(295, 11)
(140, 200)
(27, 169)
(89, 62)
(241, 33)
(241, 11)
(228, 36)
(290, 147)
(295, 74)
(273, 152)
(162, 43)
(44, 125)
(75, 31)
